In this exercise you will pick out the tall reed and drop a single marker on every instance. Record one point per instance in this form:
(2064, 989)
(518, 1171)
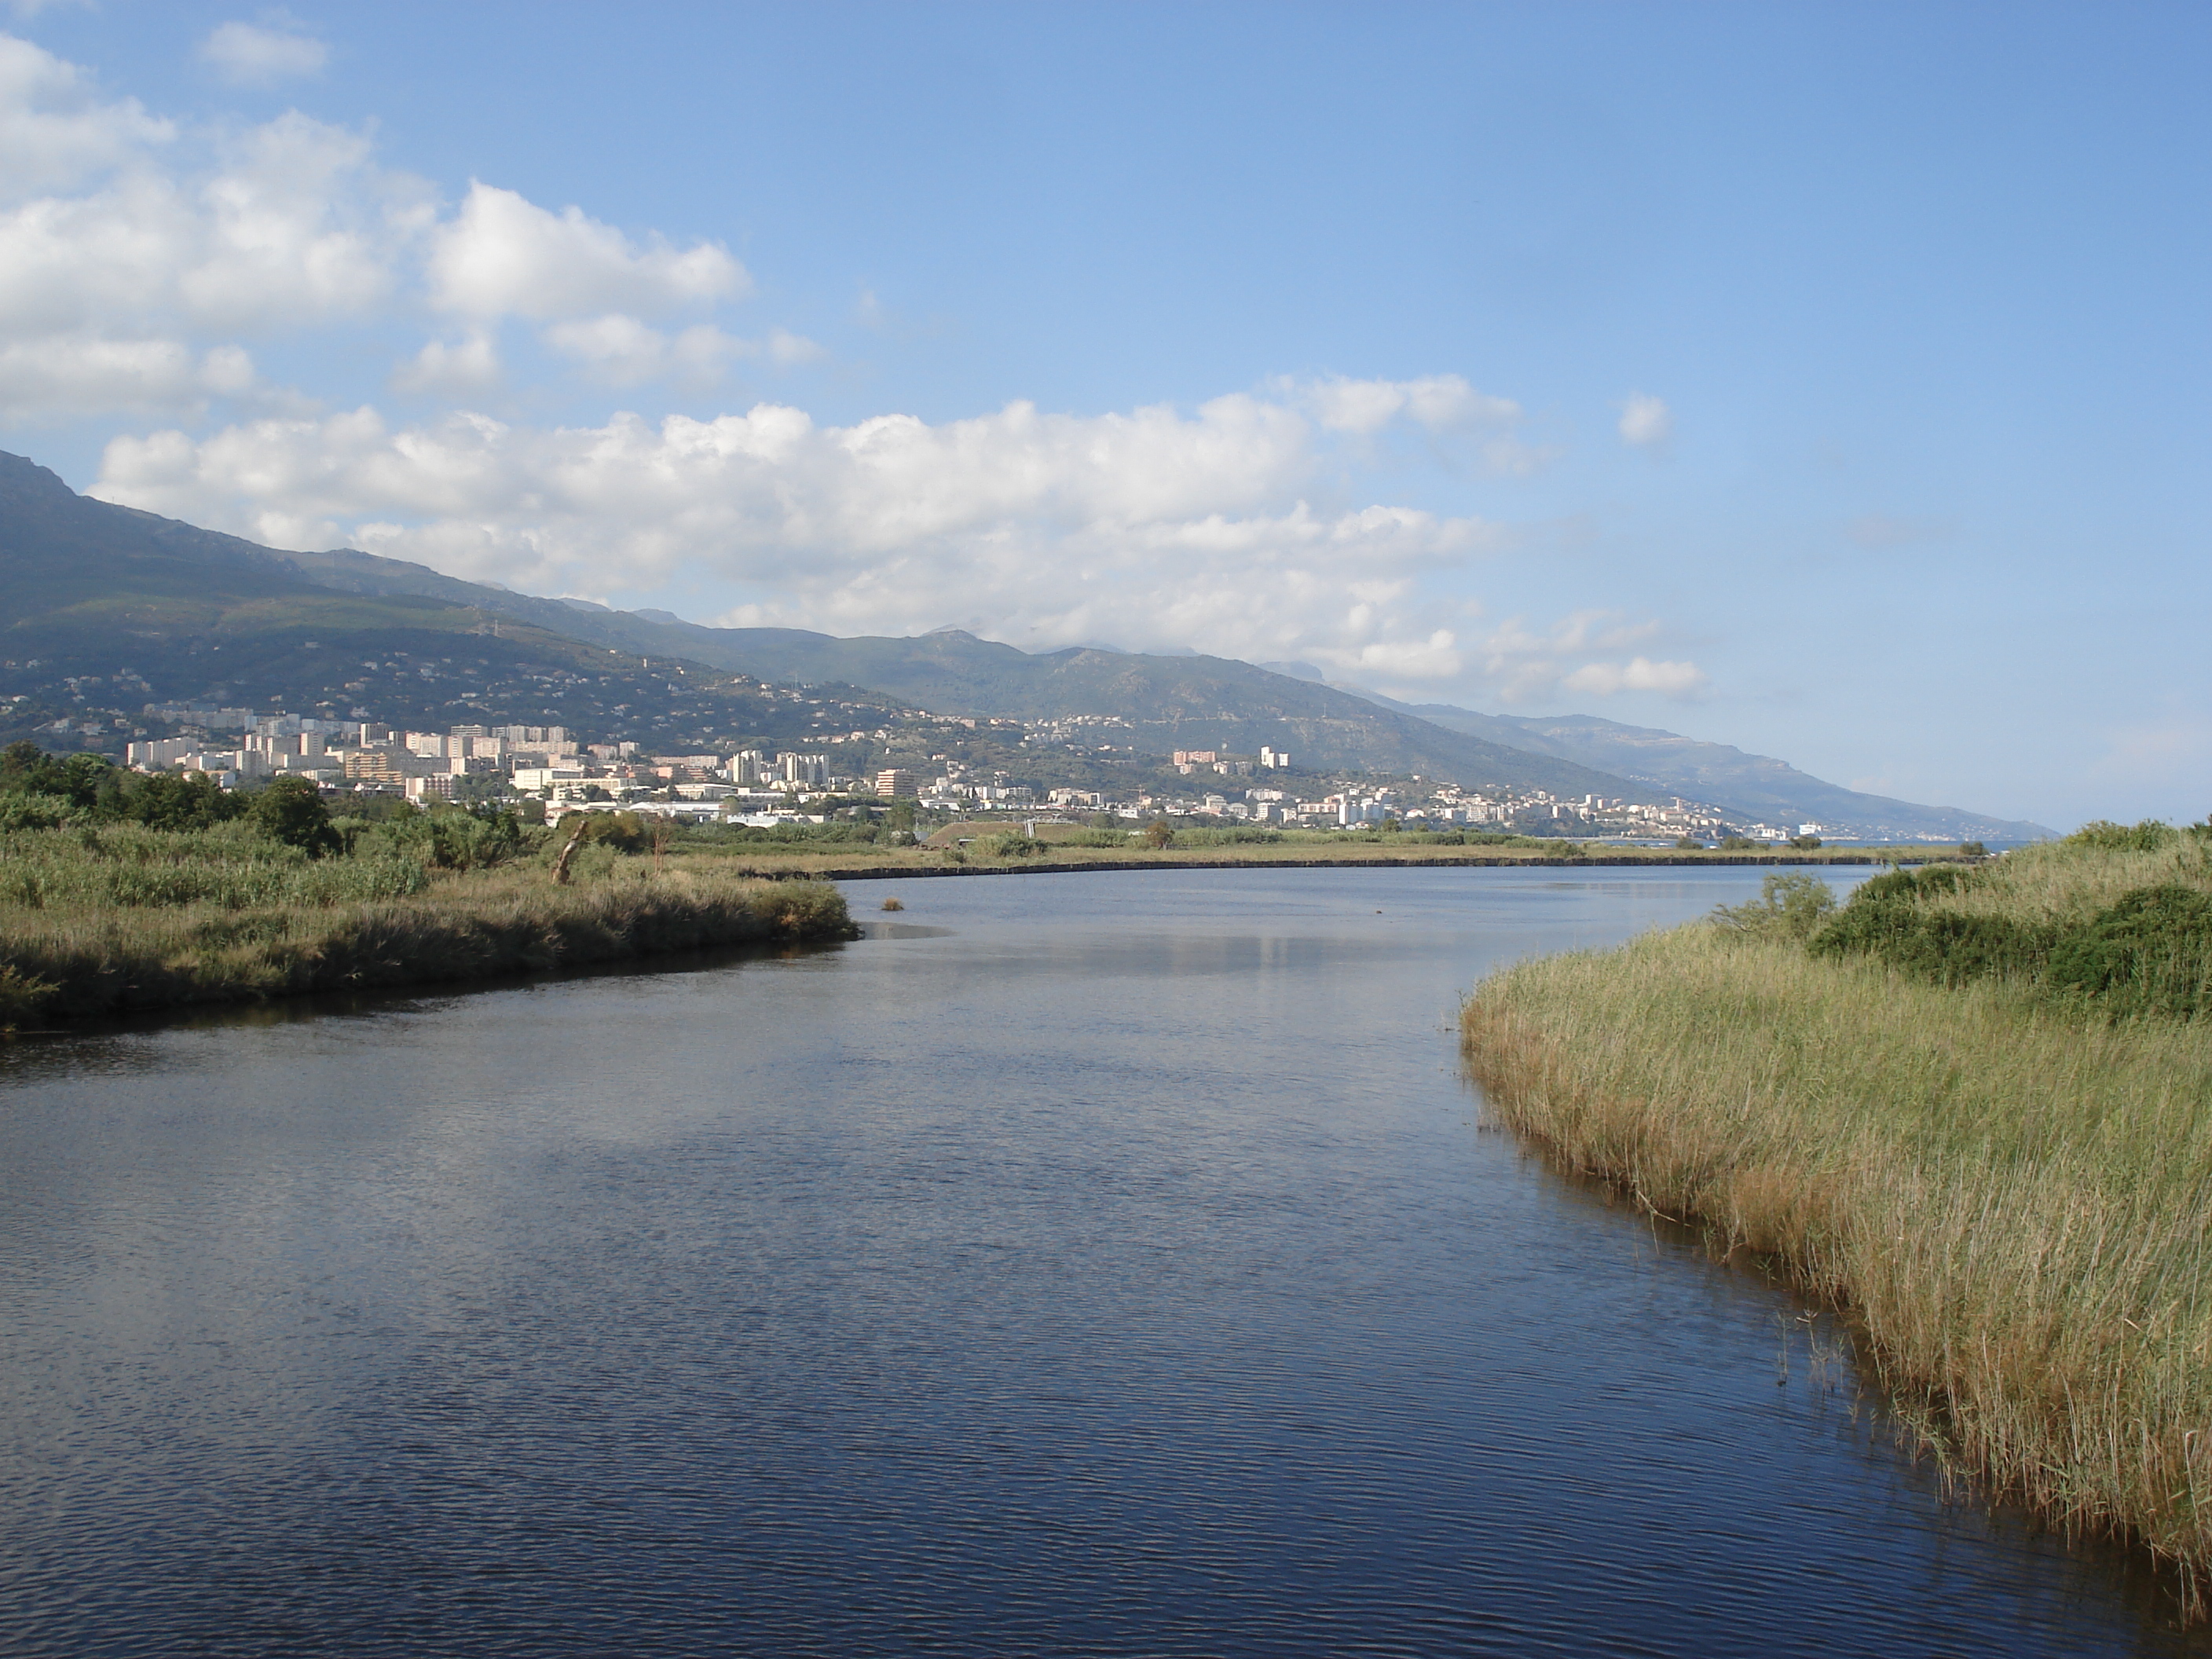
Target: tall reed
(2012, 1196)
(62, 962)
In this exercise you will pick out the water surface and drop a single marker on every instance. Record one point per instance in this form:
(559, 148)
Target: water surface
(1093, 1263)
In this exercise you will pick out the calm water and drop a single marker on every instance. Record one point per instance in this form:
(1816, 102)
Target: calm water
(1122, 1269)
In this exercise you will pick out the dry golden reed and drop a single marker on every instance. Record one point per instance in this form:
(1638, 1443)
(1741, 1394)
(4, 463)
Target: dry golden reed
(2014, 1199)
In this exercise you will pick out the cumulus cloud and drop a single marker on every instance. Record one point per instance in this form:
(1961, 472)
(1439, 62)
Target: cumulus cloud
(138, 261)
(452, 369)
(1154, 526)
(261, 54)
(130, 249)
(1646, 423)
(1579, 655)
(1603, 679)
(54, 128)
(503, 255)
(1440, 403)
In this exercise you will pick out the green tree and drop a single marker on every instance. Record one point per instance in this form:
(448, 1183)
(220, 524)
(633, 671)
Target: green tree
(291, 810)
(176, 801)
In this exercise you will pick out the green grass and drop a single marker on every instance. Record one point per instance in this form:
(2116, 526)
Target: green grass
(2007, 1181)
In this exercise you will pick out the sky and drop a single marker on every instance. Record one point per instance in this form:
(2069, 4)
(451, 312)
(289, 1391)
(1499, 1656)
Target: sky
(1827, 379)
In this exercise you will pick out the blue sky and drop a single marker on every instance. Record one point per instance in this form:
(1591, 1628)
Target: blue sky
(1825, 380)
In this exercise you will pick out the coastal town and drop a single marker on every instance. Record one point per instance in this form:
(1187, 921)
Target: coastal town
(549, 769)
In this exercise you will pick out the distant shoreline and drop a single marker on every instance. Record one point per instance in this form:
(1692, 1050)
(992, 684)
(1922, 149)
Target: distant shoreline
(890, 873)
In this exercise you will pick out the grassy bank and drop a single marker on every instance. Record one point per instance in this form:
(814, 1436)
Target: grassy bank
(1002, 851)
(1998, 1159)
(110, 919)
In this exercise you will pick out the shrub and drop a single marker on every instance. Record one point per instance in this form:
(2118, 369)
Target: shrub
(291, 810)
(1790, 904)
(2102, 834)
(2151, 953)
(1158, 834)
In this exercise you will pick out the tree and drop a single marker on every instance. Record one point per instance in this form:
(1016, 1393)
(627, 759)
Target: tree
(291, 810)
(1806, 844)
(1973, 849)
(1158, 835)
(176, 800)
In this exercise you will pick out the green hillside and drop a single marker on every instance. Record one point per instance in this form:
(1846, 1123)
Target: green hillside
(104, 610)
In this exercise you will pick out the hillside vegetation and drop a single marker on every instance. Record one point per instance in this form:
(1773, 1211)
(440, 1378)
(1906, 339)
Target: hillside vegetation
(1972, 1106)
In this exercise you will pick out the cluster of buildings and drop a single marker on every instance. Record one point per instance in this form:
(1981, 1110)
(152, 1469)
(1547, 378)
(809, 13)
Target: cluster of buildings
(547, 763)
(544, 763)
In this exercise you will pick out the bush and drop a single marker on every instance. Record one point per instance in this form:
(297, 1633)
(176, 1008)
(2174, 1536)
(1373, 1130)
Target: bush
(1806, 844)
(2151, 953)
(2102, 834)
(1790, 904)
(1011, 845)
(1159, 833)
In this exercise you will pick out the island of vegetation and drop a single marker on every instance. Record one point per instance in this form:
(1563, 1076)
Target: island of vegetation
(123, 891)
(1971, 1106)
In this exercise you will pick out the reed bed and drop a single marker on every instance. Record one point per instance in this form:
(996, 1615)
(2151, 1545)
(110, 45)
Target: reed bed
(2012, 1196)
(72, 961)
(231, 867)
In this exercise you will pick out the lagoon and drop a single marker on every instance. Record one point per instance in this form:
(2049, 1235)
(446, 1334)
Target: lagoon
(1101, 1263)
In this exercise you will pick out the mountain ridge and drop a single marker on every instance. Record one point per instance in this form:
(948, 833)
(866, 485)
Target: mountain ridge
(94, 575)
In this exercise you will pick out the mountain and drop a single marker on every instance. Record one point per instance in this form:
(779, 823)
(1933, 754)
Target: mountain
(1161, 703)
(104, 610)
(94, 594)
(1757, 785)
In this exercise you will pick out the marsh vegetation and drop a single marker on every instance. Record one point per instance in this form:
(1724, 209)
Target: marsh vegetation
(1972, 1106)
(103, 909)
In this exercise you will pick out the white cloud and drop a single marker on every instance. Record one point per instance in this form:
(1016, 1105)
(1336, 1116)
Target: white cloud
(790, 349)
(1440, 403)
(1574, 656)
(453, 368)
(1153, 527)
(620, 350)
(1604, 679)
(1646, 423)
(506, 255)
(129, 251)
(139, 260)
(262, 54)
(54, 132)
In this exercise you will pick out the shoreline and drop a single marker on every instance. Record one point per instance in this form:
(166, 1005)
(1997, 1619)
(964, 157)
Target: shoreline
(890, 872)
(159, 960)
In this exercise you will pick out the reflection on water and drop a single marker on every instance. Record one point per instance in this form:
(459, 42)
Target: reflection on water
(1083, 1263)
